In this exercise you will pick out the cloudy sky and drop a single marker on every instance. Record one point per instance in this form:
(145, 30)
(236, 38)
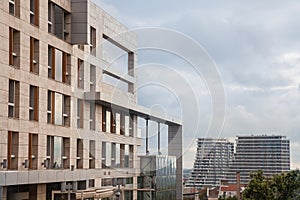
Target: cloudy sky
(255, 46)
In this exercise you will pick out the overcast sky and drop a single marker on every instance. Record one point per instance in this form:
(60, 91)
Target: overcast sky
(255, 45)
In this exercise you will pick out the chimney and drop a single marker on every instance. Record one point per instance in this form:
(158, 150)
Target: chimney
(238, 181)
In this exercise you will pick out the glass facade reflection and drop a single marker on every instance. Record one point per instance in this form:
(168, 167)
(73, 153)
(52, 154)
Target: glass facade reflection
(159, 173)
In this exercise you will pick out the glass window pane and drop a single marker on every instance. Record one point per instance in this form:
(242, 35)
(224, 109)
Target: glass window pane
(108, 154)
(118, 156)
(58, 108)
(127, 125)
(58, 65)
(57, 152)
(107, 121)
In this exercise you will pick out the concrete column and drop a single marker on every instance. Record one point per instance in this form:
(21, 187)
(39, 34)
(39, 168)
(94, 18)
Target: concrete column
(158, 138)
(147, 137)
(175, 149)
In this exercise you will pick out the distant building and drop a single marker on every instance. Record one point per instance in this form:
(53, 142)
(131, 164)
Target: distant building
(212, 162)
(270, 154)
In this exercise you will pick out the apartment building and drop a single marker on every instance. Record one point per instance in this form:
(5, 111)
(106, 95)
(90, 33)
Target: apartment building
(268, 153)
(68, 103)
(212, 161)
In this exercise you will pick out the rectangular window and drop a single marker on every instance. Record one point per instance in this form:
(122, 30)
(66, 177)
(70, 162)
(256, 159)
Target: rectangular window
(80, 114)
(122, 155)
(79, 154)
(91, 183)
(13, 98)
(92, 78)
(34, 12)
(14, 48)
(118, 153)
(12, 150)
(80, 74)
(66, 153)
(59, 22)
(126, 158)
(33, 151)
(131, 151)
(103, 119)
(59, 65)
(93, 41)
(113, 155)
(92, 151)
(34, 103)
(113, 121)
(34, 55)
(58, 108)
(131, 118)
(122, 123)
(58, 150)
(92, 116)
(106, 154)
(14, 8)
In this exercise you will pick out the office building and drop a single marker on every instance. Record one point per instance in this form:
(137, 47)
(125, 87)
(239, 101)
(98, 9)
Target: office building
(68, 103)
(268, 153)
(212, 161)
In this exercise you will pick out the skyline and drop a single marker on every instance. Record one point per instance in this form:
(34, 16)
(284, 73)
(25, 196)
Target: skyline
(255, 47)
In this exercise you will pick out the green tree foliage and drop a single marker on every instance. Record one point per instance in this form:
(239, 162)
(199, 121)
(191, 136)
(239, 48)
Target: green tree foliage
(285, 186)
(227, 198)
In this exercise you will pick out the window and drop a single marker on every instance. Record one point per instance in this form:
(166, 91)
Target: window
(59, 65)
(128, 124)
(93, 41)
(66, 153)
(58, 152)
(34, 55)
(92, 78)
(92, 116)
(80, 74)
(33, 151)
(13, 99)
(122, 155)
(92, 151)
(14, 48)
(59, 22)
(106, 119)
(106, 155)
(34, 103)
(34, 12)
(58, 109)
(14, 8)
(113, 121)
(12, 150)
(79, 154)
(117, 157)
(91, 183)
(80, 113)
(126, 157)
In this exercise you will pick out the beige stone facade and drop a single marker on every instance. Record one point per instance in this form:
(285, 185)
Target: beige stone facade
(47, 101)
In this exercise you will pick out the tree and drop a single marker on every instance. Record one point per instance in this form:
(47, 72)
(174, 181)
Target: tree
(227, 198)
(285, 186)
(258, 188)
